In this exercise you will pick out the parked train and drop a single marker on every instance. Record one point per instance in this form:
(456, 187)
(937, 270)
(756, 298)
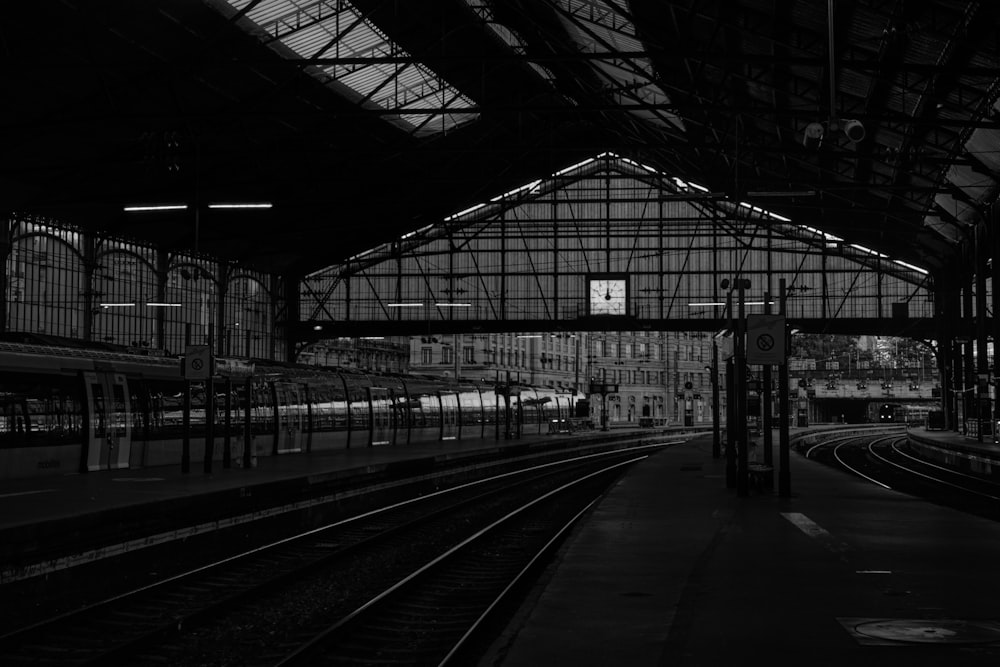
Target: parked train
(66, 410)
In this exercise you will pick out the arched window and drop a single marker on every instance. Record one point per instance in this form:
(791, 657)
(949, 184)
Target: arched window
(45, 281)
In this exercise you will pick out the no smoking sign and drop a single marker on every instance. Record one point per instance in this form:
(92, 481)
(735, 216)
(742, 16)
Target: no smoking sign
(197, 362)
(766, 339)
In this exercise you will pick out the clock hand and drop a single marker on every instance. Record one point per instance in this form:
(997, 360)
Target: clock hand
(607, 297)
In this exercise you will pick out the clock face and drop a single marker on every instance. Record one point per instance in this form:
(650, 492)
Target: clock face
(608, 296)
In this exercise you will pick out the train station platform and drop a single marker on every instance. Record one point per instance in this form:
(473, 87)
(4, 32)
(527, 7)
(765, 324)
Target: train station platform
(958, 441)
(53, 522)
(671, 568)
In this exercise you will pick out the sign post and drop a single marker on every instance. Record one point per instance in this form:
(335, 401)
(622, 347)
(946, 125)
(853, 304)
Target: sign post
(197, 365)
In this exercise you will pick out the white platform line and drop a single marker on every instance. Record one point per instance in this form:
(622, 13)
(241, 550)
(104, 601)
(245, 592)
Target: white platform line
(815, 531)
(25, 493)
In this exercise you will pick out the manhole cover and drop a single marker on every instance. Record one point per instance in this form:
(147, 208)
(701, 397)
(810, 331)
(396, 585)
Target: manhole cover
(917, 631)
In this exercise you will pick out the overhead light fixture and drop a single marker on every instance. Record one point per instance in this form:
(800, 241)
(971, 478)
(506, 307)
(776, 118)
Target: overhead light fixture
(781, 193)
(317, 327)
(404, 305)
(163, 304)
(529, 336)
(453, 305)
(155, 207)
(263, 204)
(123, 304)
(693, 196)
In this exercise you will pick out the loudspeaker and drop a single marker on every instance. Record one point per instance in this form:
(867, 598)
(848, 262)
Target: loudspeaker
(812, 135)
(854, 130)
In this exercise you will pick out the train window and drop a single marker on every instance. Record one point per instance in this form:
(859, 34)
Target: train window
(54, 417)
(357, 400)
(329, 405)
(530, 410)
(424, 404)
(262, 406)
(163, 406)
(449, 414)
(381, 415)
(489, 398)
(40, 414)
(470, 405)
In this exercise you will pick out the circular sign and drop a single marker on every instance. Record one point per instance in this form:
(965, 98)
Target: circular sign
(765, 342)
(197, 364)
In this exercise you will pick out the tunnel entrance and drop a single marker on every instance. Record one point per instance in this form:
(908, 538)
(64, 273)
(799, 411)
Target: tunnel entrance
(848, 410)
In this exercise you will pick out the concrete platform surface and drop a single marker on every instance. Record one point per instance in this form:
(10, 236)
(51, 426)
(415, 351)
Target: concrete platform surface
(672, 568)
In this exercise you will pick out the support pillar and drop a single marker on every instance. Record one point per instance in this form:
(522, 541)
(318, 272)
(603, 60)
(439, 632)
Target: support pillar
(982, 394)
(968, 356)
(993, 216)
(716, 427)
(743, 462)
(784, 474)
(765, 402)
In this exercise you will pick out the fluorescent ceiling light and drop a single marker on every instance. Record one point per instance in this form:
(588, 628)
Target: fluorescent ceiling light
(404, 305)
(781, 193)
(912, 267)
(720, 303)
(156, 207)
(454, 305)
(125, 304)
(464, 212)
(163, 304)
(529, 335)
(263, 204)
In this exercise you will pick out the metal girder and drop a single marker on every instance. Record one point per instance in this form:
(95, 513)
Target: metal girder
(922, 328)
(528, 260)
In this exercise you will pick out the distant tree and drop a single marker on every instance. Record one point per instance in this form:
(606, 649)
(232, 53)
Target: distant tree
(823, 346)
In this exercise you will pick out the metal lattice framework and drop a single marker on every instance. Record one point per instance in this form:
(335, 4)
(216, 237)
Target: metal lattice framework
(521, 262)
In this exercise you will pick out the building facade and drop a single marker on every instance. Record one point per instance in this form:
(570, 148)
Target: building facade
(665, 376)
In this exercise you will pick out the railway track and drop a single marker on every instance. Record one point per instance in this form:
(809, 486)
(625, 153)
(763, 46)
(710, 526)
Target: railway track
(265, 603)
(886, 461)
(432, 615)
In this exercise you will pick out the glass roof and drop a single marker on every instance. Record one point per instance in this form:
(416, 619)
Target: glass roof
(424, 103)
(605, 26)
(484, 10)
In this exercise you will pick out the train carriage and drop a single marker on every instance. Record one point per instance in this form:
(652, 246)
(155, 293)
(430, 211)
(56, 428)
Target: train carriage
(65, 410)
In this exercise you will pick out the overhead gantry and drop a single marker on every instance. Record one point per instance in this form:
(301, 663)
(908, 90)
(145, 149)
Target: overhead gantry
(606, 245)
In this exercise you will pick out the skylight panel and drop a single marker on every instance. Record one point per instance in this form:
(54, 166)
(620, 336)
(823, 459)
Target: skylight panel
(332, 29)
(605, 26)
(911, 266)
(484, 10)
(868, 250)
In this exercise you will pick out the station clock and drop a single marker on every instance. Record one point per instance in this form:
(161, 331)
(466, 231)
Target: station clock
(607, 295)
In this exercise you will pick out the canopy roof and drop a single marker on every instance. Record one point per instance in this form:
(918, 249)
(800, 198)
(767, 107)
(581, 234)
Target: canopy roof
(362, 121)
